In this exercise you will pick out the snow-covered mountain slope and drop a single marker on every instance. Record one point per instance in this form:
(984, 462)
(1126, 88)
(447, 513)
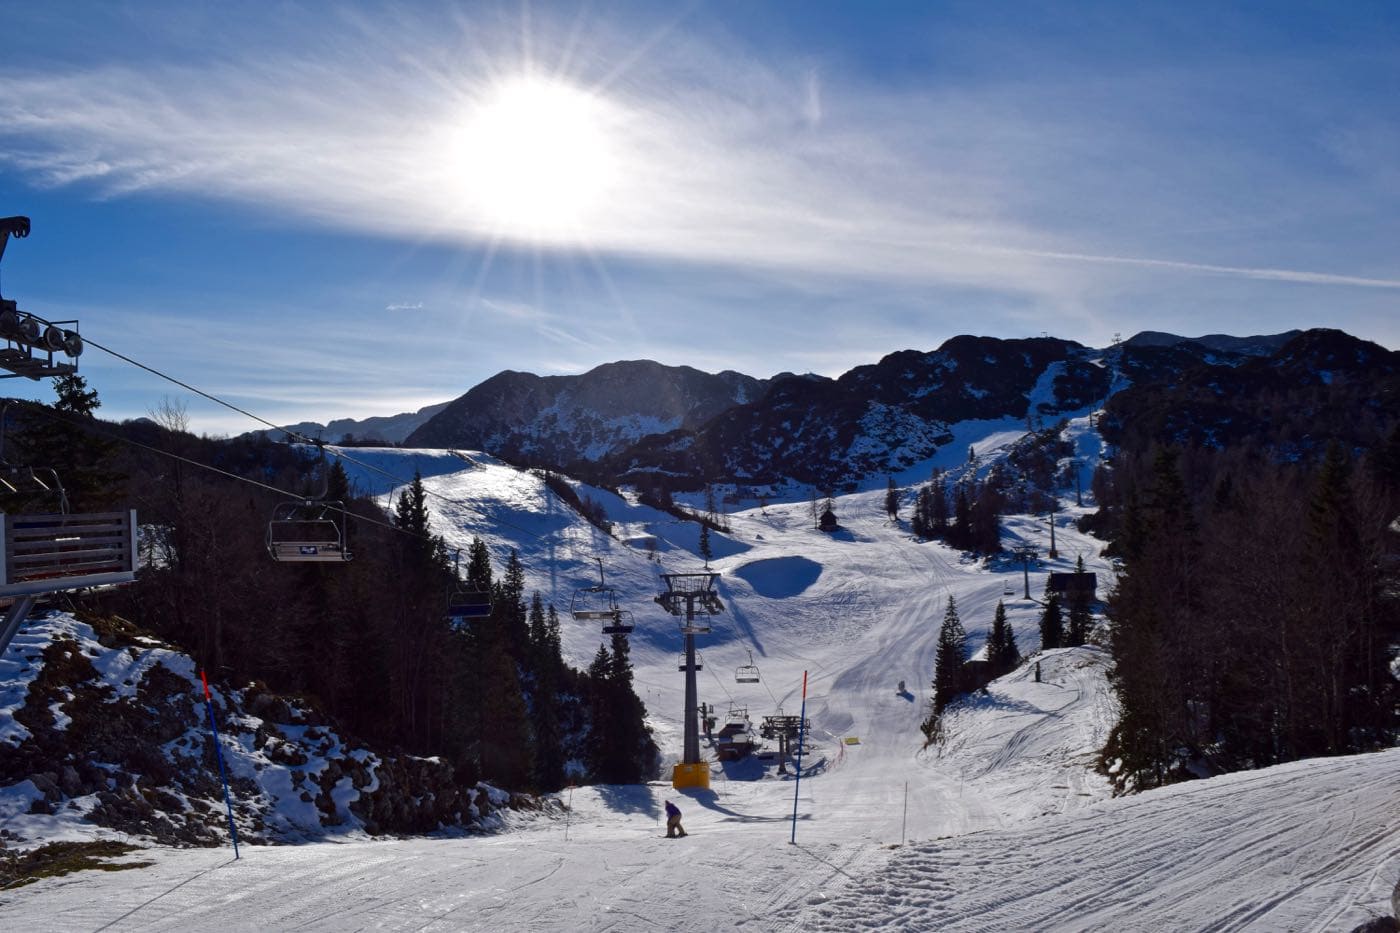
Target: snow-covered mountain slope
(1007, 825)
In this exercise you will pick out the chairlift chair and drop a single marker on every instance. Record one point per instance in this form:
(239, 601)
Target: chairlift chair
(619, 624)
(599, 604)
(301, 532)
(465, 605)
(699, 664)
(746, 673)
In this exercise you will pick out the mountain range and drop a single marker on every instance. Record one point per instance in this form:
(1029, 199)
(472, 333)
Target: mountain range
(643, 422)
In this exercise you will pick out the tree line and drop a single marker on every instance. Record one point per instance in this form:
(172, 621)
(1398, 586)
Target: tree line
(368, 641)
(1255, 610)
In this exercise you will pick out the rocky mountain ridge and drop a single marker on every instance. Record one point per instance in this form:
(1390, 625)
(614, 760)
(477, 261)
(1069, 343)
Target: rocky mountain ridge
(646, 423)
(571, 421)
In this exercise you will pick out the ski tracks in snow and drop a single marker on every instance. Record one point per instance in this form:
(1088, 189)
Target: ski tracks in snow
(1244, 852)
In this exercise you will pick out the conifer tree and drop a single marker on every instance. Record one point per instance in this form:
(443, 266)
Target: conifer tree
(479, 566)
(509, 607)
(948, 676)
(544, 708)
(706, 551)
(892, 501)
(80, 457)
(1002, 652)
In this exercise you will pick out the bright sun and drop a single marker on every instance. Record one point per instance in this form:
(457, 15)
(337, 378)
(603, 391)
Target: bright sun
(536, 157)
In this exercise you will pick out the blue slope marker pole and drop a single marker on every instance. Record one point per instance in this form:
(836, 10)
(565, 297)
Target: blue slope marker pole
(801, 731)
(219, 754)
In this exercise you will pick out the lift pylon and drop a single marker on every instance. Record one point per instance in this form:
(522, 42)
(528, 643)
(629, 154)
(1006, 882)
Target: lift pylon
(686, 594)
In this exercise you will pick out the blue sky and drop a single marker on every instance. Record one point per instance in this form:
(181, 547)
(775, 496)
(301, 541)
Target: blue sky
(325, 211)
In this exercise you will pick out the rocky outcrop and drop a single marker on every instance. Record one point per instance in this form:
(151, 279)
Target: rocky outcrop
(109, 727)
(874, 419)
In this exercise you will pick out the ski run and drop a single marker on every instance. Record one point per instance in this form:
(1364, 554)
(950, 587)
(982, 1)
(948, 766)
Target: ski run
(1005, 825)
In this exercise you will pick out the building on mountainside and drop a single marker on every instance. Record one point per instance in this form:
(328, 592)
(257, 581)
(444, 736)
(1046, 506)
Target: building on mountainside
(1067, 584)
(977, 670)
(828, 522)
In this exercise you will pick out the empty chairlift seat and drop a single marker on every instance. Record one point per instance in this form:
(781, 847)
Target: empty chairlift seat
(465, 605)
(49, 553)
(305, 532)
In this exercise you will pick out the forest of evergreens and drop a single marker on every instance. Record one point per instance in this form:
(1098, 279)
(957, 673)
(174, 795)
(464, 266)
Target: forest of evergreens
(1255, 612)
(368, 641)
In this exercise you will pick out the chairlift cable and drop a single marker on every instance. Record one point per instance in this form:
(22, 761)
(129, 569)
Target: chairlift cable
(301, 438)
(92, 428)
(722, 688)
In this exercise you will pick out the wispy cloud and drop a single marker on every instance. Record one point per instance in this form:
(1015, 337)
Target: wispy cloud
(721, 158)
(404, 306)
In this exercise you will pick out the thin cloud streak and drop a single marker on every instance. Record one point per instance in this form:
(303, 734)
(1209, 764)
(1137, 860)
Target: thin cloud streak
(727, 161)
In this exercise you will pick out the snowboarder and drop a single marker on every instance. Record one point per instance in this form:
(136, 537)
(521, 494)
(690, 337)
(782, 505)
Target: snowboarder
(901, 688)
(673, 821)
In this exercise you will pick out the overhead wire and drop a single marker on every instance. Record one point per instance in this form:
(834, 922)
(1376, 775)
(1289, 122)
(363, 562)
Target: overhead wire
(304, 439)
(91, 427)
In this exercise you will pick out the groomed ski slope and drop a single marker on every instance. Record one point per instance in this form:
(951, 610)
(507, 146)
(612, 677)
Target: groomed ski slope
(1308, 846)
(1006, 825)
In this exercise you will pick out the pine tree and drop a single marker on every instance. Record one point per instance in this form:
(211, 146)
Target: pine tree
(1002, 652)
(603, 731)
(411, 515)
(547, 668)
(1052, 623)
(509, 609)
(948, 677)
(479, 566)
(80, 457)
(706, 551)
(892, 501)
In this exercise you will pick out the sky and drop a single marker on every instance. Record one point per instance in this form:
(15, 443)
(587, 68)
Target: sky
(318, 211)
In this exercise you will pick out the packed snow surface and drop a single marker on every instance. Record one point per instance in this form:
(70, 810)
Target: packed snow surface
(1005, 825)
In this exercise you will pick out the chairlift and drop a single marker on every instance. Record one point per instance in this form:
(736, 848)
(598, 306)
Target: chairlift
(301, 531)
(746, 673)
(599, 604)
(54, 551)
(27, 481)
(699, 664)
(304, 531)
(465, 603)
(619, 624)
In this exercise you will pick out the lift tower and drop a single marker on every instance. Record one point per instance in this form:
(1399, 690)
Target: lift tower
(686, 595)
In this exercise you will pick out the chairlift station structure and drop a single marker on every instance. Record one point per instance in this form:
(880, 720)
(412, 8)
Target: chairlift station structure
(51, 553)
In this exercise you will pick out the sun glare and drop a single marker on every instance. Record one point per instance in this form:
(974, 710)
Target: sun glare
(535, 157)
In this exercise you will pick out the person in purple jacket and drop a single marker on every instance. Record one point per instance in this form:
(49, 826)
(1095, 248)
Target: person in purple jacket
(673, 821)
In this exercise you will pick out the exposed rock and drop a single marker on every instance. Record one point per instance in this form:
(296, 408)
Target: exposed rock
(145, 762)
